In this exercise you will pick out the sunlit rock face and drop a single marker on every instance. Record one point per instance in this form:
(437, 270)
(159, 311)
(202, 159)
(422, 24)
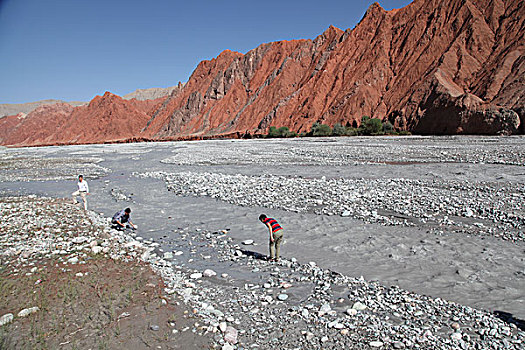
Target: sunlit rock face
(432, 67)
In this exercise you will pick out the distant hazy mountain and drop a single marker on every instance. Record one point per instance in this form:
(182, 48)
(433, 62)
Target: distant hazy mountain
(15, 108)
(151, 94)
(139, 94)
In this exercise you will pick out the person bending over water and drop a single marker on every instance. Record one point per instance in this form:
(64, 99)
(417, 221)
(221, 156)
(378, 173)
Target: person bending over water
(276, 235)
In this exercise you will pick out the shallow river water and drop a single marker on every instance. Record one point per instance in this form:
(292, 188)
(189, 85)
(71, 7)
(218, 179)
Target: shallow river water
(438, 216)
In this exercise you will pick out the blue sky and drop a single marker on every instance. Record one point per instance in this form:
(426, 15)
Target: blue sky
(76, 49)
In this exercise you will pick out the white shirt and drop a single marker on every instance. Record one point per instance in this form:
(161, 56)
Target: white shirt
(83, 186)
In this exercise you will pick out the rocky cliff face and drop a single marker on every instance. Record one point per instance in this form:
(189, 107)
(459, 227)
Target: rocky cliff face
(107, 118)
(433, 67)
(38, 127)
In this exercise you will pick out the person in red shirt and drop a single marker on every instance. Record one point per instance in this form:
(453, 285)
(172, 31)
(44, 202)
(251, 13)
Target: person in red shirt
(276, 235)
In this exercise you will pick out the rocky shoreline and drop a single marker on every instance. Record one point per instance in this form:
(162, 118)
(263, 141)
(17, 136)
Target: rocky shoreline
(67, 281)
(243, 301)
(25, 167)
(294, 305)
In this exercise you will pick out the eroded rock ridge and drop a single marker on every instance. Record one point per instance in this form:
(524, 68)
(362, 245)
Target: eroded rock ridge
(432, 67)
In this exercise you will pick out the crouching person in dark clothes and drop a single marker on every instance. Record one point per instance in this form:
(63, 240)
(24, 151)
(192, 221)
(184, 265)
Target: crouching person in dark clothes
(276, 235)
(121, 220)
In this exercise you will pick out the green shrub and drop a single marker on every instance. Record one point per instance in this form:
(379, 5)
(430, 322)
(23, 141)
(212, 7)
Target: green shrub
(272, 132)
(314, 128)
(374, 126)
(321, 130)
(338, 130)
(370, 126)
(349, 131)
(283, 131)
(388, 127)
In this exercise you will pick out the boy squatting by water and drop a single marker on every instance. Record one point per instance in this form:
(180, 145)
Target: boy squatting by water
(83, 191)
(276, 235)
(121, 220)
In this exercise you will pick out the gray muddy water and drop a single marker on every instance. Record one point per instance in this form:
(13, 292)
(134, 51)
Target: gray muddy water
(438, 216)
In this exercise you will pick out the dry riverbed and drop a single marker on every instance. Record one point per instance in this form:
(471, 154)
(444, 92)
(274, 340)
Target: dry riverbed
(69, 281)
(434, 225)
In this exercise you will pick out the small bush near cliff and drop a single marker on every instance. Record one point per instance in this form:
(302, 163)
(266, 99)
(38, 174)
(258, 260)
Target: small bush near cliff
(370, 126)
(388, 128)
(272, 132)
(349, 131)
(338, 130)
(321, 130)
(283, 131)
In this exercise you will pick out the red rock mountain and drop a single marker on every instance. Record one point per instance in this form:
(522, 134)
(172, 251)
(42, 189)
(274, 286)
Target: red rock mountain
(107, 118)
(37, 127)
(433, 67)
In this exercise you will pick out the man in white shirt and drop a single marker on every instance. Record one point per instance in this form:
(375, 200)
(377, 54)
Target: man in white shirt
(83, 191)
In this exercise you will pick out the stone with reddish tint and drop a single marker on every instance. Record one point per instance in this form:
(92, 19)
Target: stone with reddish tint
(230, 335)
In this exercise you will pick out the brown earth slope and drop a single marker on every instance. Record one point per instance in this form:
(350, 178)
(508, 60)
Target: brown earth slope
(433, 67)
(37, 127)
(106, 118)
